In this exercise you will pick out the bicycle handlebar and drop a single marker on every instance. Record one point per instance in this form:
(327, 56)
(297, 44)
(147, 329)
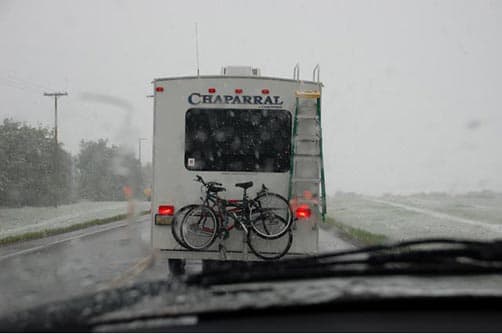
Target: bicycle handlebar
(199, 178)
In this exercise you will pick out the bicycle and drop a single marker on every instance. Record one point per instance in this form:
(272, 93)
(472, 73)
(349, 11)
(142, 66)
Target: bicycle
(266, 206)
(262, 209)
(209, 200)
(216, 217)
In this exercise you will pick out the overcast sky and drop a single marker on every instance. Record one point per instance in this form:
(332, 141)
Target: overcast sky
(413, 89)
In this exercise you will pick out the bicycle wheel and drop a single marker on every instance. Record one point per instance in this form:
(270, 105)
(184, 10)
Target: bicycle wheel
(270, 249)
(269, 206)
(176, 223)
(199, 228)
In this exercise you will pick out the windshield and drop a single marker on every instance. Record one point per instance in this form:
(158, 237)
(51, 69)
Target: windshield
(143, 140)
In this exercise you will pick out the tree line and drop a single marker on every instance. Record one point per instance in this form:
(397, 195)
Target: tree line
(34, 172)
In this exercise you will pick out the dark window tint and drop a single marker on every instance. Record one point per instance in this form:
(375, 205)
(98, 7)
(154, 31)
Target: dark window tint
(237, 140)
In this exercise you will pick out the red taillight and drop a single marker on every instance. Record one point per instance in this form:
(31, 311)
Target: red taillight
(238, 91)
(159, 89)
(211, 90)
(166, 210)
(303, 211)
(265, 91)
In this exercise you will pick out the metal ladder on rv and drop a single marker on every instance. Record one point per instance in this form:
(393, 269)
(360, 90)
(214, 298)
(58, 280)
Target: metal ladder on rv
(306, 176)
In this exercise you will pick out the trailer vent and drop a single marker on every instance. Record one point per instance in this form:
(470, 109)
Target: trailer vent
(244, 71)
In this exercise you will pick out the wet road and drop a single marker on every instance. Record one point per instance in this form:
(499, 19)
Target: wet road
(72, 264)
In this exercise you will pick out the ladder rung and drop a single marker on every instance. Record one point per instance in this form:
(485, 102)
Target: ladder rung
(306, 155)
(311, 139)
(295, 179)
(310, 94)
(307, 201)
(306, 116)
(304, 107)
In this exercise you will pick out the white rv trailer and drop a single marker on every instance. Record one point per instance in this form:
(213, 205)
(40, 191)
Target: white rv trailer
(236, 127)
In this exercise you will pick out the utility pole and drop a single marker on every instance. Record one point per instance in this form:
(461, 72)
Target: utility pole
(139, 149)
(56, 163)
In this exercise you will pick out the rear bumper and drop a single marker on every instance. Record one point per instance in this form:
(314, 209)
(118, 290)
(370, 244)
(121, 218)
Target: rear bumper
(208, 255)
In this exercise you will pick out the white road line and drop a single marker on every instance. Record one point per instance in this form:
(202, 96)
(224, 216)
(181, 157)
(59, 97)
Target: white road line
(133, 271)
(34, 249)
(440, 215)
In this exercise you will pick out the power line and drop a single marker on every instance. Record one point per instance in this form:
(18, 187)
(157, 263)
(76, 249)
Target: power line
(18, 86)
(19, 80)
(15, 82)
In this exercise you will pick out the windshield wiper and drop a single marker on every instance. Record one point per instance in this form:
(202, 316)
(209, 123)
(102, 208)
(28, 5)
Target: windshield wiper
(414, 257)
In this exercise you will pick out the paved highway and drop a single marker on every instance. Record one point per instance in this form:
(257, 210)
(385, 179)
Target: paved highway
(72, 264)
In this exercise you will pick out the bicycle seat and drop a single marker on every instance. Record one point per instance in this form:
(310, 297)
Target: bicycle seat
(244, 185)
(216, 189)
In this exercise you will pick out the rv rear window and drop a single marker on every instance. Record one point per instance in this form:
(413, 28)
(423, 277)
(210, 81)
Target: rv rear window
(251, 140)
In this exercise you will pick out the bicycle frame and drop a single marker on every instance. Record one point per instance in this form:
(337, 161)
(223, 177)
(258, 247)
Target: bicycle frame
(239, 210)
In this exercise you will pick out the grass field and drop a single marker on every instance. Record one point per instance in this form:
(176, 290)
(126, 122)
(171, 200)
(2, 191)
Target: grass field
(18, 224)
(393, 218)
